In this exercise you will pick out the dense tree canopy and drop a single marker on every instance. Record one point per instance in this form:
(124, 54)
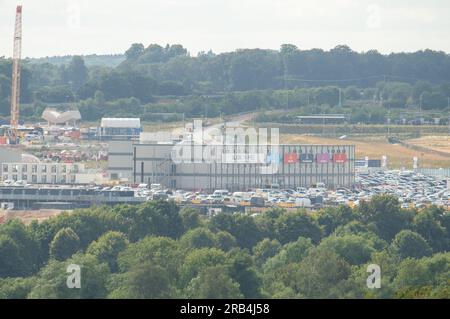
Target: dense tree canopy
(410, 244)
(108, 247)
(65, 244)
(167, 79)
(213, 283)
(156, 250)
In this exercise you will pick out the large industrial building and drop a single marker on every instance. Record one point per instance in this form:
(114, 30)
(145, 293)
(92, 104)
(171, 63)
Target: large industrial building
(293, 166)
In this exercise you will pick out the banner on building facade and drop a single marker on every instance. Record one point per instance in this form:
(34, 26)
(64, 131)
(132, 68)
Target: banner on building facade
(340, 158)
(290, 158)
(306, 158)
(323, 158)
(273, 158)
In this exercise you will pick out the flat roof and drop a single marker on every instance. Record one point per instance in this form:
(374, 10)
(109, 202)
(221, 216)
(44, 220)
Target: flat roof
(268, 145)
(121, 122)
(330, 116)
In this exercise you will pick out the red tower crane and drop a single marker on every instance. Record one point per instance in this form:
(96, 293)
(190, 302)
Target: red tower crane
(15, 87)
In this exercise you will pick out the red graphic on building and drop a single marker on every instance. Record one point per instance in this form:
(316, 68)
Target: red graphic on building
(340, 158)
(290, 158)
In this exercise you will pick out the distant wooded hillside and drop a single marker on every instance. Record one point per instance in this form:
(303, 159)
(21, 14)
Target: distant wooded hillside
(156, 79)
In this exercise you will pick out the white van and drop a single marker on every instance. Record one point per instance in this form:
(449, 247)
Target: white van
(321, 186)
(303, 202)
(239, 197)
(155, 186)
(221, 192)
(7, 206)
(8, 182)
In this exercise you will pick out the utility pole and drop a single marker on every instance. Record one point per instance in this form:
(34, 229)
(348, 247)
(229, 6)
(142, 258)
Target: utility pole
(285, 72)
(420, 103)
(449, 125)
(420, 113)
(15, 85)
(323, 122)
(389, 107)
(389, 122)
(448, 108)
(383, 91)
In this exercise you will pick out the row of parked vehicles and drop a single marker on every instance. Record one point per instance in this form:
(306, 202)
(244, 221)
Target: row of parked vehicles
(300, 197)
(413, 190)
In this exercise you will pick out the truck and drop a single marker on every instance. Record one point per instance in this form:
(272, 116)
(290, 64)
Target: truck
(303, 202)
(257, 201)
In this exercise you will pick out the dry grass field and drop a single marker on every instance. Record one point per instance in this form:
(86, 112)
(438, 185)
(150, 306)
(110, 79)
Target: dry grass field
(398, 155)
(438, 143)
(157, 127)
(27, 216)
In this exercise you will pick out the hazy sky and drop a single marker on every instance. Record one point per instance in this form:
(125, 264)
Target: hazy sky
(59, 27)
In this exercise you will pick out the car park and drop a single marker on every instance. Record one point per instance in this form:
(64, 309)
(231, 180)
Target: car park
(413, 190)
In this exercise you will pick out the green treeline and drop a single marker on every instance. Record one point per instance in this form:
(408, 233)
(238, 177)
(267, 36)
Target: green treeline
(157, 79)
(156, 250)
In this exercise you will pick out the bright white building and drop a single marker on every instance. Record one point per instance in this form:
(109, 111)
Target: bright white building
(119, 128)
(42, 173)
